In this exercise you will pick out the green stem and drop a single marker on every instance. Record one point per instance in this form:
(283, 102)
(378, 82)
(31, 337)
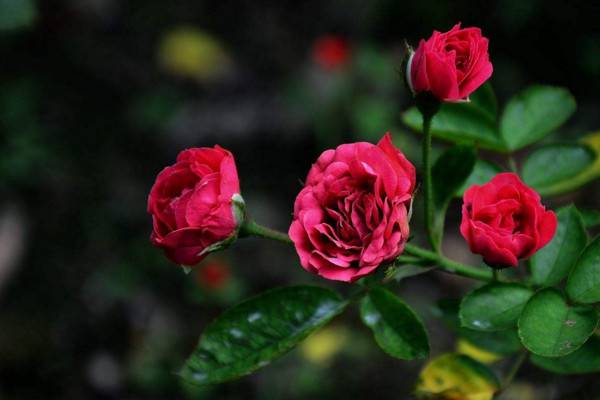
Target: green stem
(449, 266)
(496, 275)
(512, 373)
(411, 260)
(428, 185)
(512, 164)
(251, 228)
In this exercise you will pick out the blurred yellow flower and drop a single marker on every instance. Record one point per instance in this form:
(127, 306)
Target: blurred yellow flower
(191, 53)
(320, 347)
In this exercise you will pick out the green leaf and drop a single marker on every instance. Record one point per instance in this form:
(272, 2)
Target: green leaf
(473, 122)
(533, 114)
(553, 262)
(585, 360)
(399, 272)
(495, 306)
(456, 376)
(550, 327)
(397, 329)
(502, 342)
(590, 217)
(482, 173)
(550, 169)
(259, 330)
(450, 171)
(484, 99)
(583, 285)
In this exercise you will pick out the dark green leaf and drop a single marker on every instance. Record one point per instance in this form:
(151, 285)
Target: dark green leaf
(259, 330)
(590, 217)
(450, 171)
(583, 285)
(550, 169)
(494, 307)
(461, 122)
(533, 114)
(550, 327)
(584, 360)
(399, 272)
(482, 173)
(552, 263)
(397, 329)
(502, 342)
(484, 99)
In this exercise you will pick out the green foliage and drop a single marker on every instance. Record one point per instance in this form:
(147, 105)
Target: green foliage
(550, 327)
(584, 360)
(17, 14)
(450, 171)
(590, 217)
(397, 329)
(533, 114)
(583, 285)
(551, 169)
(259, 330)
(552, 263)
(502, 342)
(474, 122)
(482, 173)
(494, 307)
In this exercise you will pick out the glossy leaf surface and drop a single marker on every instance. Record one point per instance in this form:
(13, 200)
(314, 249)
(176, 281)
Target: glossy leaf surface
(553, 262)
(583, 285)
(259, 330)
(550, 327)
(397, 329)
(494, 307)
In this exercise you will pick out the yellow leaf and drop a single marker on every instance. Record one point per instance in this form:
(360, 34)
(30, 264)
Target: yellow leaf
(456, 377)
(467, 348)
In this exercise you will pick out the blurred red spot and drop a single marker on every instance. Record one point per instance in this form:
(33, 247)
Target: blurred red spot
(331, 52)
(213, 274)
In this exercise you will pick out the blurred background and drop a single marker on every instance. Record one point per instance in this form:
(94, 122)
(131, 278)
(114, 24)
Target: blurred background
(98, 96)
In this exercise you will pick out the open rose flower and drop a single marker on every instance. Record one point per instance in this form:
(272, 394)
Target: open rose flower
(503, 221)
(352, 214)
(450, 65)
(195, 205)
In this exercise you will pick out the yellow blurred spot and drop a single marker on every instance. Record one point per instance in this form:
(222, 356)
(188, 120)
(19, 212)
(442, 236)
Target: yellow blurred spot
(456, 377)
(192, 53)
(467, 348)
(320, 347)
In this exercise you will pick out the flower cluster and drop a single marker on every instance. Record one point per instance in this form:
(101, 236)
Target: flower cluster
(353, 213)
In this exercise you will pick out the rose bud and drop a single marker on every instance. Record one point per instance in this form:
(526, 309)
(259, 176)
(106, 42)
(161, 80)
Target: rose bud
(449, 65)
(196, 205)
(503, 221)
(352, 215)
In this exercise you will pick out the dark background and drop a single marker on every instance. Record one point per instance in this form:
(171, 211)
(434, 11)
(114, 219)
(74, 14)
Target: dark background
(97, 96)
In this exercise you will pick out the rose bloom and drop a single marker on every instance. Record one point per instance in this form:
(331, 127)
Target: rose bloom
(352, 214)
(503, 221)
(450, 65)
(195, 205)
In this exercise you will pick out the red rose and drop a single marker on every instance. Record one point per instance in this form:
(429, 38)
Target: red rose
(503, 221)
(352, 214)
(450, 65)
(195, 205)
